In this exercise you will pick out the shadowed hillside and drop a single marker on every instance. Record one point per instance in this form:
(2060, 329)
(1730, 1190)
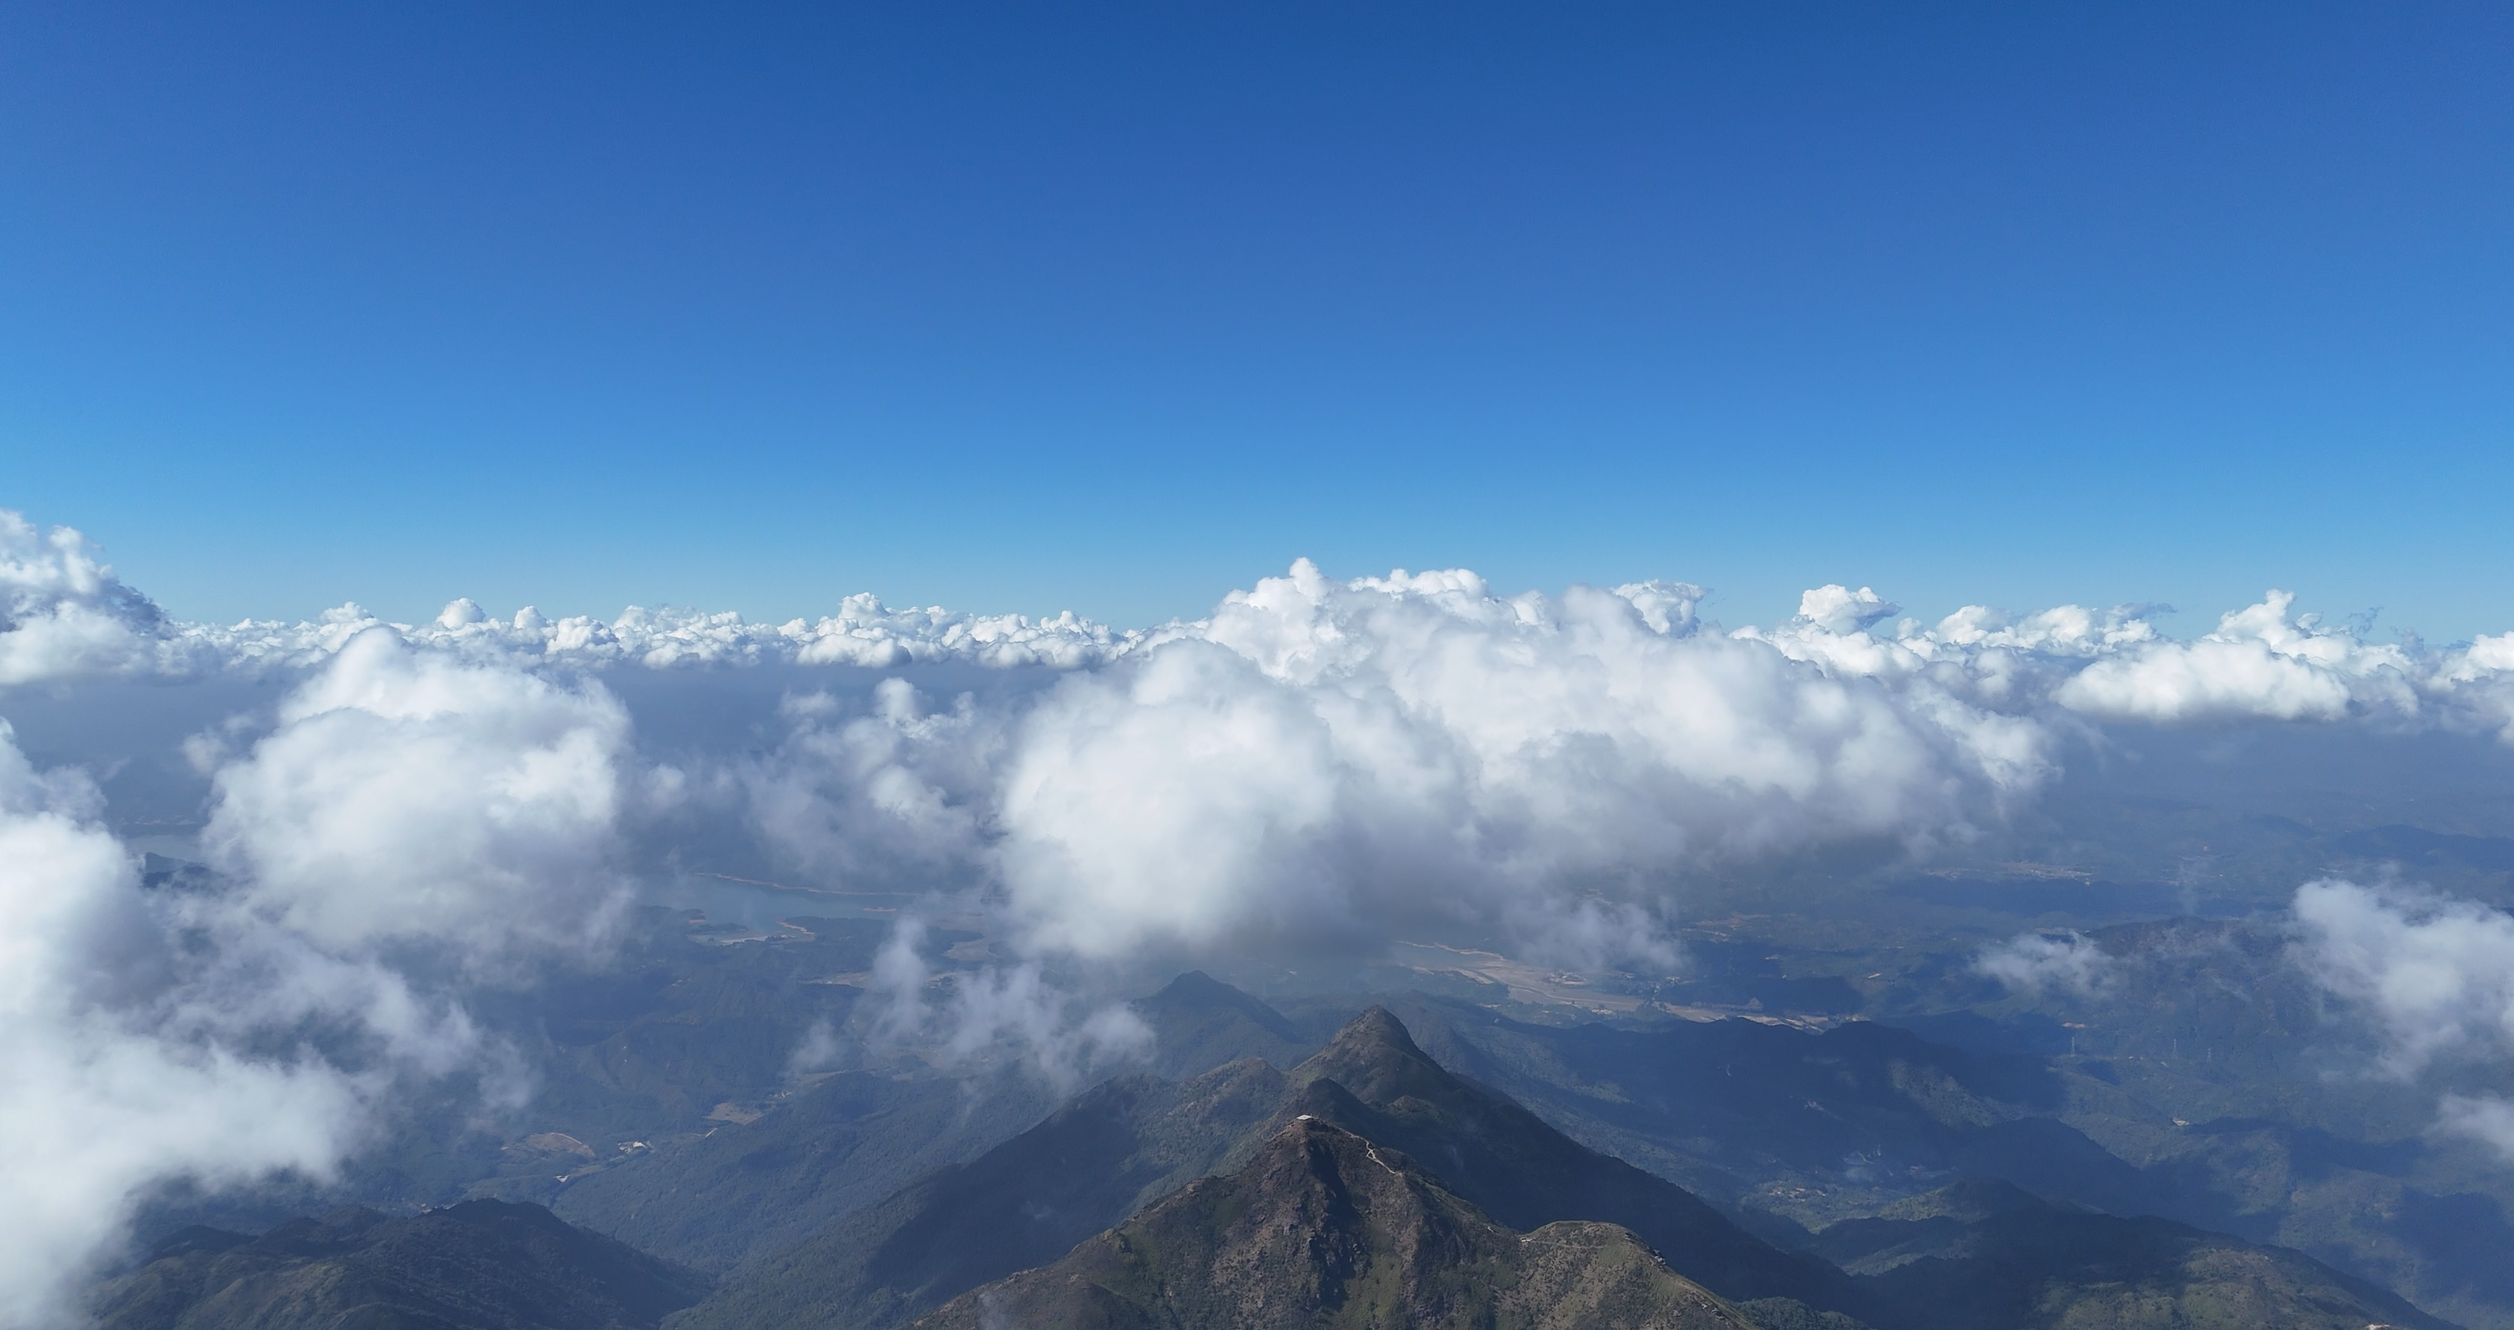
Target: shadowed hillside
(481, 1265)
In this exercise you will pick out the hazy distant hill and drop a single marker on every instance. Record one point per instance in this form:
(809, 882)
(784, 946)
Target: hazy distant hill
(1986, 1256)
(1324, 1228)
(1199, 1023)
(752, 1188)
(1741, 1110)
(481, 1265)
(1524, 1173)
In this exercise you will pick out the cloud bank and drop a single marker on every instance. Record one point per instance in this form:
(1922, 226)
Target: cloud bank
(64, 616)
(1318, 761)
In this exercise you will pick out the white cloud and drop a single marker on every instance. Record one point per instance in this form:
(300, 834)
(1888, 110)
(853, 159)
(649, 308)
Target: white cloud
(1325, 754)
(2485, 1118)
(894, 794)
(62, 612)
(864, 633)
(986, 1012)
(408, 795)
(2037, 963)
(2434, 974)
(2479, 680)
(106, 1095)
(403, 797)
(63, 616)
(1841, 611)
(2261, 663)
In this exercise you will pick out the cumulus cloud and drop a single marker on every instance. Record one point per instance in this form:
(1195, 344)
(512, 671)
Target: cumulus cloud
(400, 799)
(110, 1091)
(408, 796)
(1841, 611)
(62, 612)
(1324, 754)
(864, 633)
(2260, 663)
(2434, 974)
(882, 794)
(2480, 678)
(2037, 963)
(62, 615)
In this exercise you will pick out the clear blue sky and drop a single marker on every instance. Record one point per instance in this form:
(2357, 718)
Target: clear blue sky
(1116, 307)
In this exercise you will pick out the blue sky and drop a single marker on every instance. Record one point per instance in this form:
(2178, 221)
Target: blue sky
(1015, 308)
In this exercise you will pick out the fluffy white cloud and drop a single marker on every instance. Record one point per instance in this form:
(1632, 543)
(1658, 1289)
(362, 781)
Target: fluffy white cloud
(2261, 663)
(113, 1082)
(896, 794)
(2434, 978)
(2434, 974)
(864, 632)
(1323, 754)
(2038, 963)
(408, 795)
(62, 612)
(403, 797)
(2479, 681)
(63, 616)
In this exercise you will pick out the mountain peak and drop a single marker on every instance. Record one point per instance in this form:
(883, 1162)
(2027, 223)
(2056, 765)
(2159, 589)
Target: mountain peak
(1200, 1022)
(1376, 1058)
(1311, 1153)
(1324, 1227)
(1379, 1025)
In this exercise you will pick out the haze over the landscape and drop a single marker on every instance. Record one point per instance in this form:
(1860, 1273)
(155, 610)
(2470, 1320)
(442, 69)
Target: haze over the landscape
(1770, 857)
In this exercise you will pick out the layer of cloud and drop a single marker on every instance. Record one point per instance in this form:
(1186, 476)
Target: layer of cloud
(864, 633)
(62, 615)
(1317, 760)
